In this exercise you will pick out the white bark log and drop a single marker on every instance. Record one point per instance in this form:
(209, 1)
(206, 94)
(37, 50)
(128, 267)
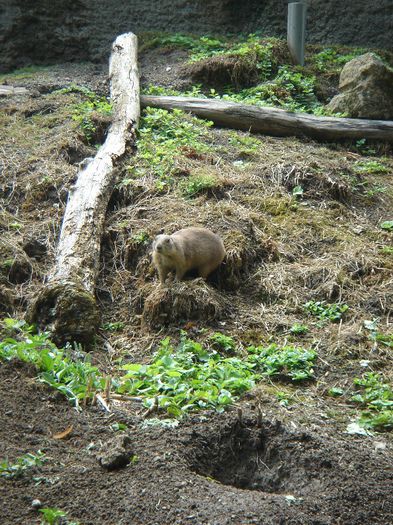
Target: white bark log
(272, 121)
(67, 305)
(79, 245)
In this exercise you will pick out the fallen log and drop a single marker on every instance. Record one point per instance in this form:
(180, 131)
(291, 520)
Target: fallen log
(11, 90)
(273, 121)
(66, 306)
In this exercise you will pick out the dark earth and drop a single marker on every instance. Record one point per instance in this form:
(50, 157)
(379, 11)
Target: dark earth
(212, 469)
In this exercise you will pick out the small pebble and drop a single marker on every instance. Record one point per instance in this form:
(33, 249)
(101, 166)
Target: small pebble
(36, 504)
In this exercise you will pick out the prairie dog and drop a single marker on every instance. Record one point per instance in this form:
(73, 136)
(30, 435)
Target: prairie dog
(188, 249)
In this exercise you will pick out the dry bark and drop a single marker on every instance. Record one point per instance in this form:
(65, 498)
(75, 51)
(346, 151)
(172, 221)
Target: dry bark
(274, 121)
(67, 304)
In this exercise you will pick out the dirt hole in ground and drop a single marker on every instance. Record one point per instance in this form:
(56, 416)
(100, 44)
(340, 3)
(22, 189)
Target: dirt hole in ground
(268, 459)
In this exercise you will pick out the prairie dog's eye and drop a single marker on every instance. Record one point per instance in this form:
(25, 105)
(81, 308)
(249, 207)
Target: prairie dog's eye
(168, 240)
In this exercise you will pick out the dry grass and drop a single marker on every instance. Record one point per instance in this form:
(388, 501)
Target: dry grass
(282, 250)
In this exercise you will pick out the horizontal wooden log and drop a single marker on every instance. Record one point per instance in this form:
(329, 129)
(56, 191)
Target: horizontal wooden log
(276, 122)
(11, 90)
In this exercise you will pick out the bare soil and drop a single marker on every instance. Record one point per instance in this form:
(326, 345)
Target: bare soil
(261, 461)
(210, 469)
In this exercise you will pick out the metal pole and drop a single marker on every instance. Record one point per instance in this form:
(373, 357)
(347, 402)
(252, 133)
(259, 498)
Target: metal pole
(296, 30)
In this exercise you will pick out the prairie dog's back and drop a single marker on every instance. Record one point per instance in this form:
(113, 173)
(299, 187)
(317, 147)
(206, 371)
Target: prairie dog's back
(200, 245)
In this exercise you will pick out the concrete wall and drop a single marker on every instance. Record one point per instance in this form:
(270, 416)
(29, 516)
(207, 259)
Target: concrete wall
(39, 31)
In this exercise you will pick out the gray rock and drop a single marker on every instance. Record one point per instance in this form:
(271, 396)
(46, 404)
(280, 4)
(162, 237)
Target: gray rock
(115, 454)
(365, 89)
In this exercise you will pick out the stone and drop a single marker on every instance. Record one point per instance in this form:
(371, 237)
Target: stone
(115, 454)
(365, 89)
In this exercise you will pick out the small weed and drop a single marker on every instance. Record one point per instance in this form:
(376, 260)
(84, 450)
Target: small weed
(335, 391)
(297, 191)
(299, 329)
(387, 225)
(325, 311)
(140, 238)
(283, 398)
(369, 167)
(119, 427)
(22, 465)
(134, 459)
(388, 250)
(363, 148)
(15, 225)
(54, 516)
(117, 326)
(196, 184)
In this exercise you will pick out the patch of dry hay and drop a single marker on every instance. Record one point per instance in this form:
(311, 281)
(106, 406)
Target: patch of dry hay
(223, 70)
(181, 302)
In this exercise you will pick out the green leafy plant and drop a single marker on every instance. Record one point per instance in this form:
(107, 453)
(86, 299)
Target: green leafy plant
(364, 148)
(332, 60)
(163, 137)
(54, 516)
(196, 184)
(140, 238)
(51, 515)
(290, 361)
(57, 369)
(188, 377)
(387, 225)
(180, 378)
(377, 396)
(283, 398)
(22, 465)
(222, 342)
(370, 167)
(119, 427)
(299, 329)
(117, 326)
(336, 391)
(325, 311)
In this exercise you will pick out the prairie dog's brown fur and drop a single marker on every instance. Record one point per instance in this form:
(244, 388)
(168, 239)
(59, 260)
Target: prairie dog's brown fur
(188, 249)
